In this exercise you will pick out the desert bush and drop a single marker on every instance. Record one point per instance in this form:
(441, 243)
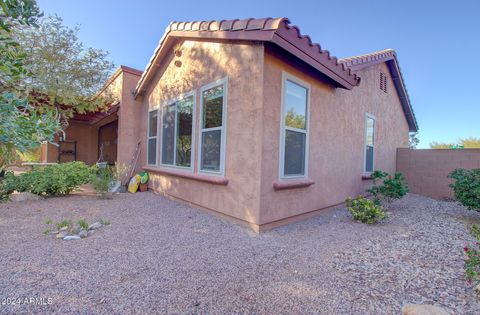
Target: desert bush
(101, 181)
(472, 264)
(364, 210)
(52, 180)
(467, 187)
(387, 188)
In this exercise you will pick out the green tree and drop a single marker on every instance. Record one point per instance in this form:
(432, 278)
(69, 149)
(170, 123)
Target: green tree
(413, 140)
(64, 71)
(23, 127)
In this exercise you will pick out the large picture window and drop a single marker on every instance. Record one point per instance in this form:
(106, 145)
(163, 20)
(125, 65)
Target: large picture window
(152, 137)
(177, 132)
(369, 143)
(294, 128)
(212, 128)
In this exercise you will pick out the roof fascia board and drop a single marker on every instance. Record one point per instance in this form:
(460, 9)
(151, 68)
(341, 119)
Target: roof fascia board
(402, 93)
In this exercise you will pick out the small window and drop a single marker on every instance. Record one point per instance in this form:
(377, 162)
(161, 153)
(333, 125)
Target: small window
(294, 128)
(369, 143)
(383, 82)
(212, 129)
(152, 137)
(177, 132)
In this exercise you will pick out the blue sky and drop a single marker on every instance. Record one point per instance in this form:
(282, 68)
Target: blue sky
(437, 42)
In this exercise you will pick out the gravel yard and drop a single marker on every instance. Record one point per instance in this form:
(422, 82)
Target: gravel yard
(158, 256)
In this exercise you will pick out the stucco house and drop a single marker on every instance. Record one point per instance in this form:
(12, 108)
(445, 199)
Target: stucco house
(252, 121)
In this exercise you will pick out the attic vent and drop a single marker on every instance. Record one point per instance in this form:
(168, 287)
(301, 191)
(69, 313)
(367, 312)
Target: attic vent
(383, 82)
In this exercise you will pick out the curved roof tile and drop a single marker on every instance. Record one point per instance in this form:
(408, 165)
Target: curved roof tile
(389, 56)
(276, 30)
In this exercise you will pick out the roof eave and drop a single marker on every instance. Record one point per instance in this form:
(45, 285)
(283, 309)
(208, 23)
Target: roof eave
(399, 83)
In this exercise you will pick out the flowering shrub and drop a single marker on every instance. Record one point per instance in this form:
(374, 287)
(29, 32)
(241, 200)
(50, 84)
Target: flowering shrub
(472, 264)
(387, 187)
(467, 187)
(364, 210)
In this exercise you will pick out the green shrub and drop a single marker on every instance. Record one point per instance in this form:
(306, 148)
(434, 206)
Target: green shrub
(7, 186)
(364, 210)
(472, 264)
(83, 224)
(101, 181)
(385, 187)
(467, 187)
(52, 180)
(63, 223)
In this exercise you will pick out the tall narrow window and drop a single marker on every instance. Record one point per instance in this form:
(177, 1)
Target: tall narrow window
(152, 137)
(294, 138)
(212, 129)
(369, 143)
(177, 132)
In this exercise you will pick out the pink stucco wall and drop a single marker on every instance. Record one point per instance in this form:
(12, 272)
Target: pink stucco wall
(254, 73)
(337, 133)
(426, 170)
(201, 64)
(129, 120)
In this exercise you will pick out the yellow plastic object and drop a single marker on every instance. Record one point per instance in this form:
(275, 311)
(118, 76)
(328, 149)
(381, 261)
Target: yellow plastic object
(133, 184)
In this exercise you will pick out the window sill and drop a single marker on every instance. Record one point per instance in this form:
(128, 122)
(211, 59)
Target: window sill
(367, 176)
(215, 180)
(292, 183)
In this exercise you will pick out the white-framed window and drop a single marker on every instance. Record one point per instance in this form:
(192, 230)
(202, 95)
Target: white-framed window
(294, 127)
(369, 143)
(213, 126)
(152, 137)
(178, 125)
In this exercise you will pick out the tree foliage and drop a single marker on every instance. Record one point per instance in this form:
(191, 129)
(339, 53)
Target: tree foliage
(46, 74)
(23, 126)
(64, 71)
(413, 140)
(467, 143)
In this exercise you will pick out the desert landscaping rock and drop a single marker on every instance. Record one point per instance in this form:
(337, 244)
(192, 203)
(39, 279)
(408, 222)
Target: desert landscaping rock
(71, 238)
(83, 234)
(61, 234)
(95, 226)
(477, 289)
(159, 256)
(415, 309)
(24, 196)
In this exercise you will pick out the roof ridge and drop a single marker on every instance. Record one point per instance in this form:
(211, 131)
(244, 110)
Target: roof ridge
(384, 53)
(249, 24)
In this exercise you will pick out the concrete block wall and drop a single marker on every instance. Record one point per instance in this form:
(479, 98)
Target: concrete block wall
(426, 170)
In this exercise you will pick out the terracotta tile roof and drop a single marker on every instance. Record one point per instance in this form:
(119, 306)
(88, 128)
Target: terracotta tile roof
(278, 31)
(354, 62)
(389, 56)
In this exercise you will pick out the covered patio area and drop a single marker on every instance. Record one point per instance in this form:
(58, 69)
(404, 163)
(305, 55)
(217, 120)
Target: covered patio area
(90, 138)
